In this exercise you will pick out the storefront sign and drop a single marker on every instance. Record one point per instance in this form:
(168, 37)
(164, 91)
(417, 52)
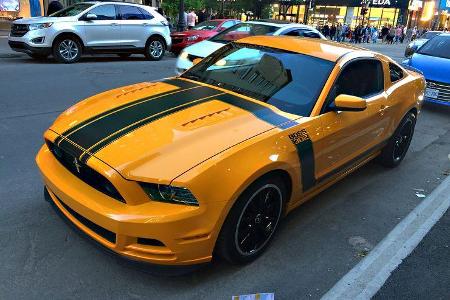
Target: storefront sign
(9, 5)
(381, 2)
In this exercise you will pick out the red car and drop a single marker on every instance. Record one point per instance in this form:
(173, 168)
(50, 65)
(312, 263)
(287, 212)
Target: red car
(199, 33)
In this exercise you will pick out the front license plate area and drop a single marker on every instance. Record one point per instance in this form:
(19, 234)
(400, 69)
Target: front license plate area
(431, 93)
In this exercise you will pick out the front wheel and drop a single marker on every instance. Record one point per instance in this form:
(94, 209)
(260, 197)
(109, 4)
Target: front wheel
(252, 221)
(397, 146)
(67, 50)
(154, 50)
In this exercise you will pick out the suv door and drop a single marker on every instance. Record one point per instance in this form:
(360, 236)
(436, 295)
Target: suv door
(135, 24)
(104, 31)
(349, 136)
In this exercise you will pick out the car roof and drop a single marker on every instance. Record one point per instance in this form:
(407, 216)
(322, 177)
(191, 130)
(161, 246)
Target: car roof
(319, 48)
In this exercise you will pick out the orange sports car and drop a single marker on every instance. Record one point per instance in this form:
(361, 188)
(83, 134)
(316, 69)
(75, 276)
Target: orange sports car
(178, 171)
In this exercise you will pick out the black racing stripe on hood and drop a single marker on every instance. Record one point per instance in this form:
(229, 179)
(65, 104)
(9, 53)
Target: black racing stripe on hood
(101, 129)
(181, 84)
(258, 110)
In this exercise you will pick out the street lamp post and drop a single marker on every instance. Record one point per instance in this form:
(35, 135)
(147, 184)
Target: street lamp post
(181, 22)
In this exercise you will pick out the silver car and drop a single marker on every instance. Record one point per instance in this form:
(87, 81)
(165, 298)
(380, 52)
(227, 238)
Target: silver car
(93, 27)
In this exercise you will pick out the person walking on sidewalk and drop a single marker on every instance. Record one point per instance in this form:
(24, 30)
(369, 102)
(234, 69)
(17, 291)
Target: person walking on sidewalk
(191, 17)
(374, 35)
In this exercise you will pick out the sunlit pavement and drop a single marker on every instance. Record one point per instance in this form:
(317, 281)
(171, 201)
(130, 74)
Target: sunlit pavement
(317, 244)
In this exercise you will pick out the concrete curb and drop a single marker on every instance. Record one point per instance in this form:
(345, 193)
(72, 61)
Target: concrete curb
(370, 274)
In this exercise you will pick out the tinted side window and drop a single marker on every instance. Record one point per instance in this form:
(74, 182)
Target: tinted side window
(295, 32)
(311, 34)
(146, 14)
(104, 12)
(130, 13)
(395, 72)
(360, 78)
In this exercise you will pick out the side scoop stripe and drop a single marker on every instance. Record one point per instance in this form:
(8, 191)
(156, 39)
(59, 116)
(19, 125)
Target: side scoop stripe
(306, 156)
(181, 84)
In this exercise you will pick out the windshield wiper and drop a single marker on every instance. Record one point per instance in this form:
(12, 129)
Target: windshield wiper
(191, 76)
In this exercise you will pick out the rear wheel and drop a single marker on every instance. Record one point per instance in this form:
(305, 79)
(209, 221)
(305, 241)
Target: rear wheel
(67, 50)
(154, 50)
(397, 147)
(252, 221)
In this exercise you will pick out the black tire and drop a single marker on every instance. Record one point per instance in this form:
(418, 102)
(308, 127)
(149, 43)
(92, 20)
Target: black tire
(155, 48)
(124, 55)
(393, 153)
(37, 56)
(247, 230)
(67, 50)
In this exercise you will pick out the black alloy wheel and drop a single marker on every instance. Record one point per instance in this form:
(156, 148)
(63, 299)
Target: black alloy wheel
(258, 220)
(252, 221)
(395, 150)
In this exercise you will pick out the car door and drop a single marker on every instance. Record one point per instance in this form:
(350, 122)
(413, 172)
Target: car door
(347, 136)
(135, 25)
(103, 31)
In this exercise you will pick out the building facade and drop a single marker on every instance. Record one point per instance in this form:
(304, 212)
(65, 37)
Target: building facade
(321, 12)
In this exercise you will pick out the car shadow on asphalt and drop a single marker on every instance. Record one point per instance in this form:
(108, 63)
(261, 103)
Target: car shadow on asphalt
(23, 58)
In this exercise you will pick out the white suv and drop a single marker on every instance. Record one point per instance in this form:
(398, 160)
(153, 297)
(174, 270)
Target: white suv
(93, 27)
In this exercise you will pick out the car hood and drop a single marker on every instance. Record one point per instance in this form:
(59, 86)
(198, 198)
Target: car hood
(433, 68)
(203, 49)
(156, 131)
(43, 20)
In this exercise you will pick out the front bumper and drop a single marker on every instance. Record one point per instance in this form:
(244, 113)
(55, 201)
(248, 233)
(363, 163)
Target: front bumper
(186, 234)
(25, 48)
(436, 101)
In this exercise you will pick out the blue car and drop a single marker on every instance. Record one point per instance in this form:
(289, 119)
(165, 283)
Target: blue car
(433, 60)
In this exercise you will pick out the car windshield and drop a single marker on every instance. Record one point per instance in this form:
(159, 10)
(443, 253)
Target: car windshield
(428, 35)
(207, 25)
(72, 10)
(290, 81)
(438, 46)
(242, 30)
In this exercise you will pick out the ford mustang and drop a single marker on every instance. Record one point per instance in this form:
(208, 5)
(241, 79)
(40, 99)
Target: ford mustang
(206, 164)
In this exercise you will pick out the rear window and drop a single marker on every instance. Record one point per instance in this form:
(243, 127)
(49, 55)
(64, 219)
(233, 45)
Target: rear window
(243, 30)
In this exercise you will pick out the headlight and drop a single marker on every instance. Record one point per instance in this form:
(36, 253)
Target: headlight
(39, 26)
(184, 55)
(169, 194)
(192, 38)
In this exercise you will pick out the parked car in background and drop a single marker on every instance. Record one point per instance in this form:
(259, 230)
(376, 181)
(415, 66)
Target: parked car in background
(417, 43)
(93, 27)
(241, 30)
(433, 60)
(200, 32)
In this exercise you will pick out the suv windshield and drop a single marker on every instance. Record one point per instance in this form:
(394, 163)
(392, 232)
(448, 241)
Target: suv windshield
(242, 30)
(438, 46)
(72, 10)
(428, 35)
(290, 81)
(207, 25)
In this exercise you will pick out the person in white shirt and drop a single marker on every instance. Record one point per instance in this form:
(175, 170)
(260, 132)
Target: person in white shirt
(191, 17)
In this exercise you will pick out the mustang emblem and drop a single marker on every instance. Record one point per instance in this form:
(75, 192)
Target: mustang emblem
(76, 164)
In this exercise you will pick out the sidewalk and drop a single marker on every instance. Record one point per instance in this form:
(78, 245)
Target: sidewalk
(425, 274)
(4, 25)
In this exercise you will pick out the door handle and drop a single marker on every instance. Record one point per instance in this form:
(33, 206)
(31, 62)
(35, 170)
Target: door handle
(146, 24)
(114, 24)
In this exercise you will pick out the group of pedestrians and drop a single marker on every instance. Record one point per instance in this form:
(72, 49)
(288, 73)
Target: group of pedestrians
(370, 34)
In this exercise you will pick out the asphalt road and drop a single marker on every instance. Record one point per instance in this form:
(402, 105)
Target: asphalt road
(41, 257)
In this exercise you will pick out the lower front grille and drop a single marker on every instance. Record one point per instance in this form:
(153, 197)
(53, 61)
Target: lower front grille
(100, 231)
(19, 30)
(176, 40)
(443, 89)
(84, 172)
